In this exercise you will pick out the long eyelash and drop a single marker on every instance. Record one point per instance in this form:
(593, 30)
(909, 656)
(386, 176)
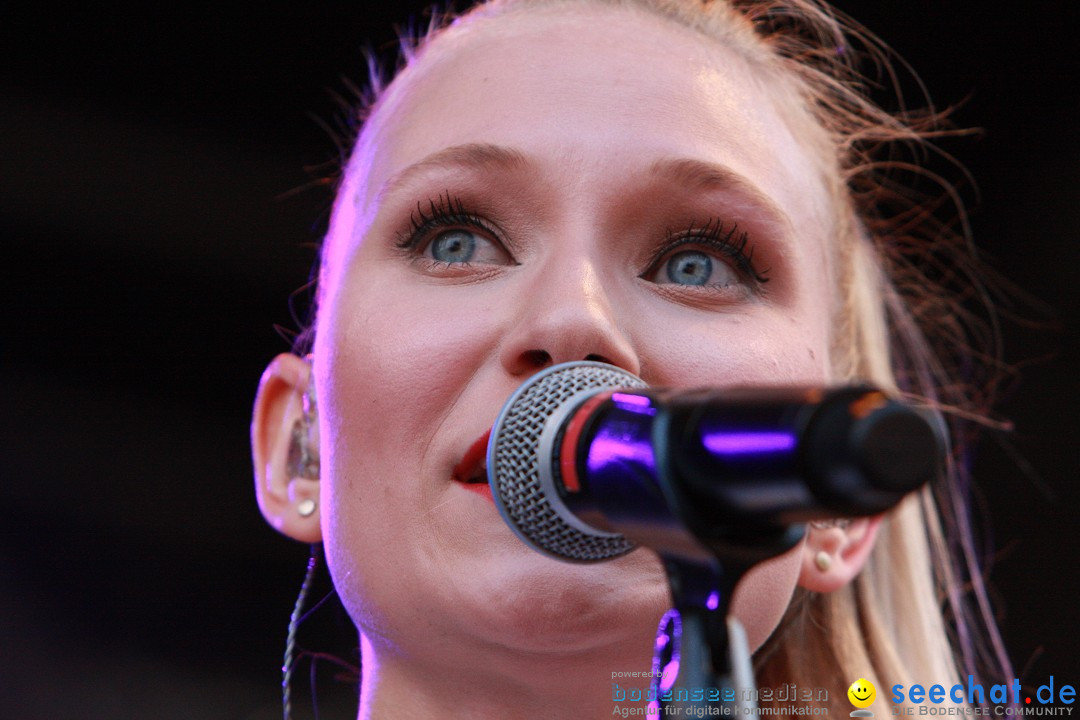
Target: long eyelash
(726, 240)
(443, 211)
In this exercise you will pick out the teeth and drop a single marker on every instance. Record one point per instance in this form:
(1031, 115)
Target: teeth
(480, 475)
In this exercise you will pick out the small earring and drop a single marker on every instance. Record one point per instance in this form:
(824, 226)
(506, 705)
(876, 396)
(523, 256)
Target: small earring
(823, 560)
(305, 507)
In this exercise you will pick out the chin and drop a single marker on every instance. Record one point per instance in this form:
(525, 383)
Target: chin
(535, 604)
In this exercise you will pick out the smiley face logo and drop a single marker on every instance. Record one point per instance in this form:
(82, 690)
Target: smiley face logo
(862, 693)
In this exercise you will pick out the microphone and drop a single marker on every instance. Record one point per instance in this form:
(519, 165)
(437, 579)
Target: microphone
(585, 461)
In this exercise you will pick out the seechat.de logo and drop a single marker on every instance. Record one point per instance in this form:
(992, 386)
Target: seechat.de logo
(974, 694)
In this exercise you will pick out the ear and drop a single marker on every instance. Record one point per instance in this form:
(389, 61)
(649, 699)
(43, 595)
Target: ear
(279, 407)
(834, 554)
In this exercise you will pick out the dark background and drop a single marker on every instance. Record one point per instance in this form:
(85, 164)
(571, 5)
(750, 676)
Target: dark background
(154, 223)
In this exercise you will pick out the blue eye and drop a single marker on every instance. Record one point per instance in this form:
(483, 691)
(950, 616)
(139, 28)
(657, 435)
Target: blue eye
(454, 246)
(689, 268)
(449, 237)
(695, 268)
(460, 246)
(714, 256)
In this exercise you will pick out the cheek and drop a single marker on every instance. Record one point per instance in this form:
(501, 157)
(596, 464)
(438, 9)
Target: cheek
(397, 362)
(763, 349)
(392, 370)
(763, 595)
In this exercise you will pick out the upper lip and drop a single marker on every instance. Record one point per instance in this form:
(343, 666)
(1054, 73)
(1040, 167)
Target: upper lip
(473, 463)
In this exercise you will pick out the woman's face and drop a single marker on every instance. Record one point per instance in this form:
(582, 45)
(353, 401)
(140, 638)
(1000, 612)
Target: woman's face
(535, 189)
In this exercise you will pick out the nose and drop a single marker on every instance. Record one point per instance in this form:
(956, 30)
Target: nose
(566, 315)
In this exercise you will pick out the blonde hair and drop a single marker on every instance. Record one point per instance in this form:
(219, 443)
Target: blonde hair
(918, 613)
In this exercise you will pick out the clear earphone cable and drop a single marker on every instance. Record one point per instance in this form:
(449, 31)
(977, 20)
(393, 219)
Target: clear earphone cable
(290, 642)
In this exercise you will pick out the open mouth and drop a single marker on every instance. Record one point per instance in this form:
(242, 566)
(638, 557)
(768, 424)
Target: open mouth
(472, 470)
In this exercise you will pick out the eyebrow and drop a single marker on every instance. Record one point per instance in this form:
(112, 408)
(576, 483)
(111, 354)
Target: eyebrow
(470, 156)
(699, 175)
(690, 173)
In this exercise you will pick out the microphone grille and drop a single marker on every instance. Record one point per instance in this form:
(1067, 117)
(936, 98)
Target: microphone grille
(515, 457)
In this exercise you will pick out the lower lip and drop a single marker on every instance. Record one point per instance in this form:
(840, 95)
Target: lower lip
(483, 489)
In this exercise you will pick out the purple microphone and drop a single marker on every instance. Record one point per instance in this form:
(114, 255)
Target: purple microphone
(585, 461)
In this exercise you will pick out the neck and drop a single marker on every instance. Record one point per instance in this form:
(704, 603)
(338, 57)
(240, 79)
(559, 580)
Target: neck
(506, 685)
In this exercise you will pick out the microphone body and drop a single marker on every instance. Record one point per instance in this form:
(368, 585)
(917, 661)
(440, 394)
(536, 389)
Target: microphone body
(585, 462)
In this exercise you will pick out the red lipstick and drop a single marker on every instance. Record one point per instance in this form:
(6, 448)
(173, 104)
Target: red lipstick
(470, 472)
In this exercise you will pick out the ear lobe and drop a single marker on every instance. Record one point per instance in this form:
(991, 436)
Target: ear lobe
(833, 556)
(285, 501)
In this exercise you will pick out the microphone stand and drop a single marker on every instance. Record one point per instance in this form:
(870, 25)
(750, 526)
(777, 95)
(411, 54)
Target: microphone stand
(701, 662)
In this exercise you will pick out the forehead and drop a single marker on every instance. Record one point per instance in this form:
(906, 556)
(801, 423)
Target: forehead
(597, 89)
